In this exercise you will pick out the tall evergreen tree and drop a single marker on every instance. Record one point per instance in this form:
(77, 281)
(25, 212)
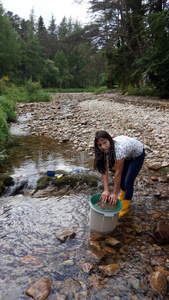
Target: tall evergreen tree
(15, 21)
(52, 39)
(32, 58)
(156, 58)
(42, 36)
(9, 46)
(24, 29)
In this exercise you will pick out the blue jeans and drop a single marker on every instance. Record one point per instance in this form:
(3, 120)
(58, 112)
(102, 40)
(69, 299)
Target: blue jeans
(130, 171)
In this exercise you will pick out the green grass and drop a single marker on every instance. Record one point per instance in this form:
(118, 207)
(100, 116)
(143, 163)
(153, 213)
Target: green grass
(4, 130)
(9, 96)
(94, 90)
(21, 94)
(101, 89)
(70, 90)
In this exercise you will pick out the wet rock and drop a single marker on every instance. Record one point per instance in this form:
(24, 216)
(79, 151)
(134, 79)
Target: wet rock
(67, 234)
(19, 187)
(111, 241)
(68, 262)
(162, 269)
(88, 268)
(124, 249)
(110, 250)
(96, 236)
(31, 259)
(68, 182)
(95, 255)
(40, 290)
(94, 245)
(159, 282)
(109, 270)
(136, 284)
(161, 232)
(70, 287)
(97, 282)
(84, 295)
(59, 296)
(7, 180)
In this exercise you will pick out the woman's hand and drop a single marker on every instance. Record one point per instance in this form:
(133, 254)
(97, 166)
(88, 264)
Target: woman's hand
(105, 196)
(113, 198)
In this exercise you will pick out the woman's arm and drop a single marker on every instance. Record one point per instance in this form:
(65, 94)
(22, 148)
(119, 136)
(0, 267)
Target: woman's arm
(117, 180)
(105, 195)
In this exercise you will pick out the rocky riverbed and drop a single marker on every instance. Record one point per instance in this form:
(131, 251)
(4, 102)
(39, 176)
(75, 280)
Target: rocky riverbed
(131, 264)
(76, 117)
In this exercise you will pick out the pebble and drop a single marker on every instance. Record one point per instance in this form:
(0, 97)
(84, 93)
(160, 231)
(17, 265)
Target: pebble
(109, 270)
(67, 234)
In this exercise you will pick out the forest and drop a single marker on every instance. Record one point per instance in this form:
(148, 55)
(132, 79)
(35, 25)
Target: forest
(125, 44)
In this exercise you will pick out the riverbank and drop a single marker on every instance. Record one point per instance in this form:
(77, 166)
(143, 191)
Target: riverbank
(75, 118)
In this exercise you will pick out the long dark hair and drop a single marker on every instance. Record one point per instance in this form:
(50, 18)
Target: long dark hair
(101, 157)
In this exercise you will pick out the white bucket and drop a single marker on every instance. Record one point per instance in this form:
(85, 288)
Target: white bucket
(103, 221)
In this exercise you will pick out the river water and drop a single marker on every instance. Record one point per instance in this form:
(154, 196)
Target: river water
(29, 226)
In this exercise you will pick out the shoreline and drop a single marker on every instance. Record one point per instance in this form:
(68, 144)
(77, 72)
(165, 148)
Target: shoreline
(75, 117)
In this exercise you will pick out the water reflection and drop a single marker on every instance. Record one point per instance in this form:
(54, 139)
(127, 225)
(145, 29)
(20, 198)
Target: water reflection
(29, 156)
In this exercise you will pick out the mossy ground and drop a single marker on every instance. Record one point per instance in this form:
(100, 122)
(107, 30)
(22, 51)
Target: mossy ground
(72, 181)
(5, 181)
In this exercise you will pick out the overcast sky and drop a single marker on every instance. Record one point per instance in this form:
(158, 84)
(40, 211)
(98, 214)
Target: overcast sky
(45, 8)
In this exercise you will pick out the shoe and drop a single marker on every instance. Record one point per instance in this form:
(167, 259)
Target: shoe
(125, 207)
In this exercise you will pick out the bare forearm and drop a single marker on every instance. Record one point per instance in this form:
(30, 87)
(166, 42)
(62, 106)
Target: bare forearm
(117, 180)
(105, 181)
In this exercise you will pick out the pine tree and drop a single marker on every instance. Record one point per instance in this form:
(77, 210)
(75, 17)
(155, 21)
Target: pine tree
(9, 46)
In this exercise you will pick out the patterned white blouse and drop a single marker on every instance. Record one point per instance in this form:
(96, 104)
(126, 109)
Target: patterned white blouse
(127, 147)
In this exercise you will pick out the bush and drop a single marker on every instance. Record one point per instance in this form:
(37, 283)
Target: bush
(143, 90)
(2, 155)
(8, 106)
(3, 85)
(32, 86)
(4, 130)
(40, 97)
(100, 90)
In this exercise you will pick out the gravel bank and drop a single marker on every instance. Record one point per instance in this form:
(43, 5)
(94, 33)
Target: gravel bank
(75, 117)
